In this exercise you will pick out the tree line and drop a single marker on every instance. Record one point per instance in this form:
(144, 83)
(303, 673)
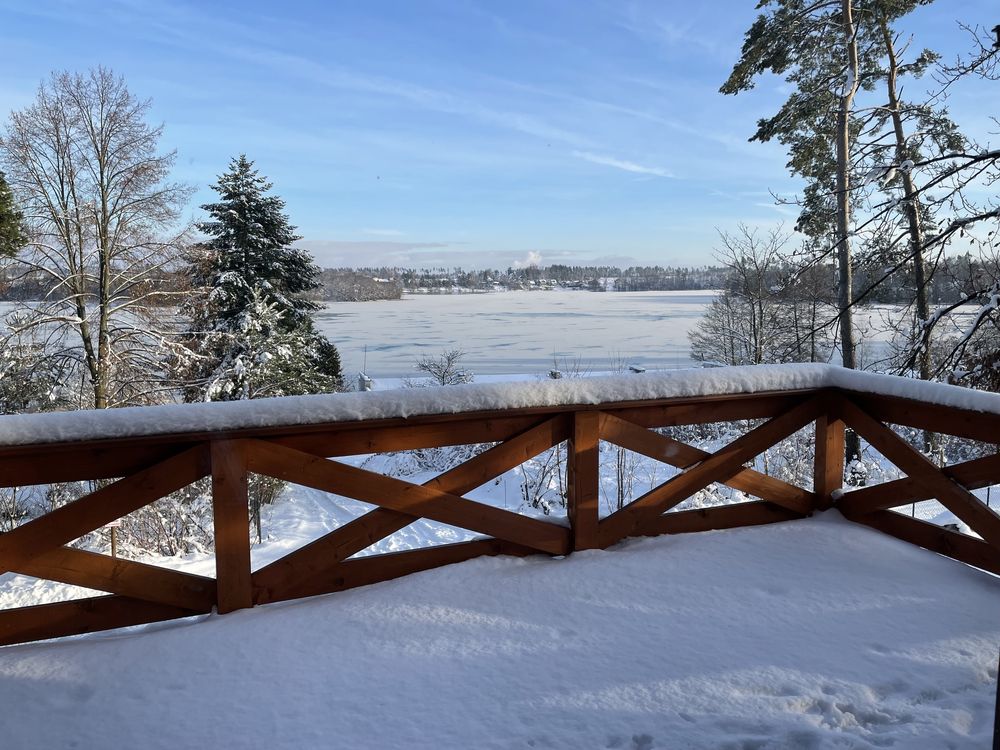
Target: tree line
(597, 278)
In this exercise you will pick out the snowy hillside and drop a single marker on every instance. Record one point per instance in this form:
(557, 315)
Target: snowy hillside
(810, 634)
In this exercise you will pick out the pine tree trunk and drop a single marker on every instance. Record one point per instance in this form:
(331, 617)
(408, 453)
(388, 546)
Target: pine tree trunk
(921, 282)
(844, 262)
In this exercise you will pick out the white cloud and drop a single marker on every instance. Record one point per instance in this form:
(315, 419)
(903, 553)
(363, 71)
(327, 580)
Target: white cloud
(533, 258)
(628, 166)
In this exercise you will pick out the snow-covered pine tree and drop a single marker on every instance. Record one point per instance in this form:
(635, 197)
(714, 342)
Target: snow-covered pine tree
(12, 234)
(251, 332)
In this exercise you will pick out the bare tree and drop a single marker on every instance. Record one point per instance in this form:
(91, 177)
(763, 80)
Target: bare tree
(770, 311)
(103, 228)
(445, 369)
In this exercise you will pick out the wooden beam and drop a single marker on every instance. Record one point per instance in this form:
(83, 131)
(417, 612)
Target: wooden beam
(70, 462)
(316, 558)
(232, 525)
(675, 453)
(718, 467)
(81, 616)
(974, 474)
(952, 495)
(353, 442)
(950, 420)
(828, 468)
(953, 544)
(412, 499)
(73, 520)
(672, 412)
(111, 457)
(314, 562)
(126, 577)
(754, 513)
(583, 479)
(493, 462)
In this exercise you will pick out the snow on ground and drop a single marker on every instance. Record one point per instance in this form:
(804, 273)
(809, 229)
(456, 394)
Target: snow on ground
(810, 634)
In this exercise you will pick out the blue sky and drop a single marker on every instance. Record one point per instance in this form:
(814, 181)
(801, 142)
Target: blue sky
(456, 132)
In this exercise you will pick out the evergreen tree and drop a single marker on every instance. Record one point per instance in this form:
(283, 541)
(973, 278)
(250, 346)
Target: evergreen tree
(829, 52)
(252, 333)
(12, 235)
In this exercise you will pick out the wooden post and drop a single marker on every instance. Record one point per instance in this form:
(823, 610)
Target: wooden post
(232, 526)
(583, 480)
(996, 705)
(828, 473)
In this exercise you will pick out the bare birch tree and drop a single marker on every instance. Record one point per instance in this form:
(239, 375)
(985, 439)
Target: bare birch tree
(102, 218)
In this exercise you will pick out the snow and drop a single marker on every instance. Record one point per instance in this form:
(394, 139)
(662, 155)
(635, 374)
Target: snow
(28, 429)
(882, 174)
(515, 331)
(809, 634)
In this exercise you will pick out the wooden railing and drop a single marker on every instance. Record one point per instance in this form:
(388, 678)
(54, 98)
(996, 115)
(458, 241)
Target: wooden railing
(150, 467)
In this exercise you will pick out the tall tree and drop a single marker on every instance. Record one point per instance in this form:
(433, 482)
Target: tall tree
(815, 45)
(12, 231)
(251, 332)
(829, 50)
(103, 225)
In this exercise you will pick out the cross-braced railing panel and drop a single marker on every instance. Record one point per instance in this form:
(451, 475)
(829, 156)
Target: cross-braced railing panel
(148, 468)
(38, 549)
(400, 504)
(678, 454)
(721, 466)
(951, 486)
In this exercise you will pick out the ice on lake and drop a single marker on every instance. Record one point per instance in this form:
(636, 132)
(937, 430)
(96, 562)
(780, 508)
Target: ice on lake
(516, 332)
(523, 333)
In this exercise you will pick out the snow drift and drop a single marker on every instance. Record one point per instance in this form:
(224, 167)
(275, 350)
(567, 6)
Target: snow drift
(809, 634)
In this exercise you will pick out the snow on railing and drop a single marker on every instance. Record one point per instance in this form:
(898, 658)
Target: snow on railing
(288, 411)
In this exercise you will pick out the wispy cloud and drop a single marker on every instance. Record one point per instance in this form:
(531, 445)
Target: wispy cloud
(623, 164)
(383, 232)
(651, 25)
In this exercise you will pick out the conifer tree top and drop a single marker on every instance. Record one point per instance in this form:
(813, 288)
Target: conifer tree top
(12, 236)
(252, 237)
(245, 213)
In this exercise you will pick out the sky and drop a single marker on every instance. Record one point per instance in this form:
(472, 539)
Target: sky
(458, 132)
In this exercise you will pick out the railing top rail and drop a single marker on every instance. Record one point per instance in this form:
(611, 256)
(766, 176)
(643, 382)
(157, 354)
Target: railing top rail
(302, 413)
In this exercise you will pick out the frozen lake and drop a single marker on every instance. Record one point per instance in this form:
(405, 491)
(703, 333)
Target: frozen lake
(516, 332)
(522, 333)
(511, 332)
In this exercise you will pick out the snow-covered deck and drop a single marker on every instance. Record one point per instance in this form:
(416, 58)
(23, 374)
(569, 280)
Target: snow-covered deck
(809, 634)
(155, 452)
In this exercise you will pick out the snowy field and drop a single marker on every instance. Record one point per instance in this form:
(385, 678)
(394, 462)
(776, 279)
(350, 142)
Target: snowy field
(810, 634)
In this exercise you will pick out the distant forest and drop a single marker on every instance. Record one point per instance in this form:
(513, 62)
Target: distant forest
(368, 284)
(365, 284)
